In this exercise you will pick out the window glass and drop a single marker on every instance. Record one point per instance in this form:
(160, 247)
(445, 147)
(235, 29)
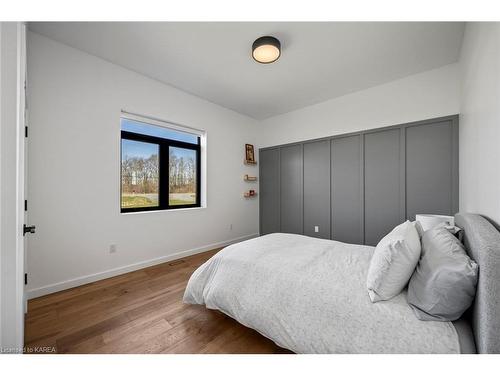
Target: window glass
(140, 174)
(182, 176)
(160, 167)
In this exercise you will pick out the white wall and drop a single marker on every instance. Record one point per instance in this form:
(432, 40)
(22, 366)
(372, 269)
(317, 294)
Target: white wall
(422, 96)
(75, 101)
(480, 120)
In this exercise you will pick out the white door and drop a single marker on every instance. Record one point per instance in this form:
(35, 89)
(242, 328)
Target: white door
(12, 99)
(27, 227)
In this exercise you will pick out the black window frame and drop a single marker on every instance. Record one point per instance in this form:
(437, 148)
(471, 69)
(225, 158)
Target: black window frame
(163, 167)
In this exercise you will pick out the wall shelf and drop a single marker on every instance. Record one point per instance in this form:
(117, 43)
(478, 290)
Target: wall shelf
(249, 178)
(246, 194)
(247, 162)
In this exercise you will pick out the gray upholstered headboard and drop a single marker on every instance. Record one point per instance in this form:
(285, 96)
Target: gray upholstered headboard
(482, 241)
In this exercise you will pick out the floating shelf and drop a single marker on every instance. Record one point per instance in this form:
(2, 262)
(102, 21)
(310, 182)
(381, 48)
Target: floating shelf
(249, 178)
(247, 162)
(246, 194)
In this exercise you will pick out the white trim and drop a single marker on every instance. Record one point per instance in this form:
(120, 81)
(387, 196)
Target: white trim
(20, 172)
(63, 285)
(12, 72)
(162, 123)
(162, 211)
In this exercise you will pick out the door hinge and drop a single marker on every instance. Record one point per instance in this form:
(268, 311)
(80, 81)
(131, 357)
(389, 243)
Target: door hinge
(25, 279)
(25, 205)
(26, 131)
(28, 229)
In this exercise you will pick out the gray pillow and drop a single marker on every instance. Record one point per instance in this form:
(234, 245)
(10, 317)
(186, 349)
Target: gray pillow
(443, 285)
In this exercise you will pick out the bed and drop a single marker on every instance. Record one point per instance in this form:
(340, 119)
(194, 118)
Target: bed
(309, 295)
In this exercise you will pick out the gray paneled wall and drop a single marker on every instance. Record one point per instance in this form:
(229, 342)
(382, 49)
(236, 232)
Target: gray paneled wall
(291, 189)
(270, 191)
(355, 188)
(317, 189)
(382, 183)
(430, 146)
(347, 189)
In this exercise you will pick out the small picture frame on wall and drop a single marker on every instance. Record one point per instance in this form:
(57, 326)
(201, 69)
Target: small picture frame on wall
(249, 154)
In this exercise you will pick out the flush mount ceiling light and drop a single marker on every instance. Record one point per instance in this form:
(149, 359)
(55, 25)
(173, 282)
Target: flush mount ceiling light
(266, 49)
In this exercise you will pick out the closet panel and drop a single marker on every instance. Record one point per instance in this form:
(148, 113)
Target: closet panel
(369, 181)
(317, 189)
(429, 155)
(346, 190)
(269, 191)
(382, 183)
(291, 188)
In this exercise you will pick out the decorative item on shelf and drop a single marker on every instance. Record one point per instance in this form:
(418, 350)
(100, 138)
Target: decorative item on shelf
(250, 194)
(249, 155)
(249, 178)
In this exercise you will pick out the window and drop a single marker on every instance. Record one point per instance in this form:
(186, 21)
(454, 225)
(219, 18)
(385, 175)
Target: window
(160, 166)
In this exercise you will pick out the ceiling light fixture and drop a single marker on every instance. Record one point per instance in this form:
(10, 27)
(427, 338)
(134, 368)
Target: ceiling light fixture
(266, 49)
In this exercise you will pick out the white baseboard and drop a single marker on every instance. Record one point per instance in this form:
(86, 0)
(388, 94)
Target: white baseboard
(67, 284)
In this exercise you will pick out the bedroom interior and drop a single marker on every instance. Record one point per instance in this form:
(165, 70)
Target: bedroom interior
(308, 188)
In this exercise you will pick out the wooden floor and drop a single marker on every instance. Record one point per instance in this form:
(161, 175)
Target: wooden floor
(138, 312)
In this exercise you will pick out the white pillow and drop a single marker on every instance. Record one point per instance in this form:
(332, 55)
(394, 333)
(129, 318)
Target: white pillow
(393, 262)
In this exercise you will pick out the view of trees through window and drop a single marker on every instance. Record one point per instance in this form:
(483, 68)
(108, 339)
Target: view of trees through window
(140, 174)
(144, 180)
(182, 181)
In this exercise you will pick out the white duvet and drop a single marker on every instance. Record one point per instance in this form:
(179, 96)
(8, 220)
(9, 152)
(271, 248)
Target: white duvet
(309, 295)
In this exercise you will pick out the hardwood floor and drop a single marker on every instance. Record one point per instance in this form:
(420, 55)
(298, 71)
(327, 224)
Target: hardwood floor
(138, 312)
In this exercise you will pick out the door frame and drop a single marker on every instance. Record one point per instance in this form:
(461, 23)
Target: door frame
(12, 187)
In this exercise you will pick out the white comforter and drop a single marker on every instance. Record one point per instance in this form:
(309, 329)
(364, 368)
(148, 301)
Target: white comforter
(309, 295)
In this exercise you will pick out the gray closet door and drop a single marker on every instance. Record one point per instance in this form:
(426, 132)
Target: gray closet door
(317, 189)
(429, 171)
(269, 191)
(291, 184)
(382, 184)
(346, 190)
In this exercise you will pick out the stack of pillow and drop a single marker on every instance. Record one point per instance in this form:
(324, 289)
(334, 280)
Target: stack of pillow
(440, 276)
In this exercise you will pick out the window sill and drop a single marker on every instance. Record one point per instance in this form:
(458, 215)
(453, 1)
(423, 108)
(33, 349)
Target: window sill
(163, 211)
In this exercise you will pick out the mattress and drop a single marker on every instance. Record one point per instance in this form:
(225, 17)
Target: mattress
(309, 295)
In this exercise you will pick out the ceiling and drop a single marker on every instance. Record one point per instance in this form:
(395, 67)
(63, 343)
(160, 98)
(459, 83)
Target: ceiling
(213, 60)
